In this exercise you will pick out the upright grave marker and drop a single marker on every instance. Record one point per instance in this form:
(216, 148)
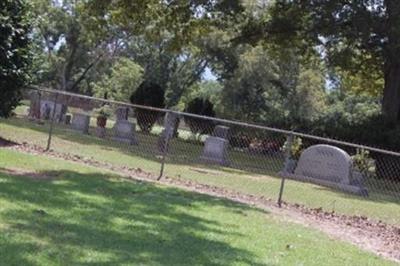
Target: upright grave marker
(216, 147)
(80, 122)
(124, 131)
(122, 113)
(328, 166)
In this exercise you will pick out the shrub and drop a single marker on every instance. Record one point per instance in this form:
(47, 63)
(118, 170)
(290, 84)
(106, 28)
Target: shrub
(296, 148)
(103, 111)
(202, 107)
(148, 94)
(363, 162)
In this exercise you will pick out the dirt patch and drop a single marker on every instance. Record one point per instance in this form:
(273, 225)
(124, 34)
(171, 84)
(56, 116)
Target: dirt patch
(7, 143)
(27, 174)
(374, 236)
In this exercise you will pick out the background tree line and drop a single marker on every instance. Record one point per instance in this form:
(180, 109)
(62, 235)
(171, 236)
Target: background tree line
(322, 67)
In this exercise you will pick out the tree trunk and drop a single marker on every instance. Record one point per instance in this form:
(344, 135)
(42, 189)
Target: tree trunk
(391, 96)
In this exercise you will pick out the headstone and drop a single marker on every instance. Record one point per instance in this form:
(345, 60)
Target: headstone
(80, 122)
(326, 165)
(124, 131)
(47, 108)
(122, 113)
(34, 108)
(170, 125)
(215, 151)
(221, 132)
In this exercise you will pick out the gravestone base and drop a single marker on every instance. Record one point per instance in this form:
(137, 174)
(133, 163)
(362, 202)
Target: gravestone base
(215, 151)
(124, 131)
(101, 132)
(354, 189)
(80, 122)
(130, 141)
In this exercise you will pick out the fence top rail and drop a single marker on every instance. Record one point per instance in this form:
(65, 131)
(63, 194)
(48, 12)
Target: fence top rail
(225, 121)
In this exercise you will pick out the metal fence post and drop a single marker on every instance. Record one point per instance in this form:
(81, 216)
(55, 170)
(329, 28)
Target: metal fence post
(165, 144)
(289, 142)
(52, 123)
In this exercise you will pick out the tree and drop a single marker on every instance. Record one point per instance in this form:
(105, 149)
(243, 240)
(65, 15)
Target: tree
(124, 79)
(207, 89)
(14, 44)
(67, 48)
(354, 35)
(176, 71)
(148, 94)
(202, 107)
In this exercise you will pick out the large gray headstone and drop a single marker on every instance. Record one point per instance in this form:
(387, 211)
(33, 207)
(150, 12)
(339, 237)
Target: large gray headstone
(327, 166)
(221, 132)
(215, 151)
(325, 162)
(80, 122)
(124, 131)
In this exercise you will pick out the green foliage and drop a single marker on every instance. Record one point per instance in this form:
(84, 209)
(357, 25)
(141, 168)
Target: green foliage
(104, 111)
(205, 90)
(124, 79)
(148, 94)
(202, 107)
(346, 115)
(360, 37)
(275, 89)
(363, 162)
(296, 148)
(14, 55)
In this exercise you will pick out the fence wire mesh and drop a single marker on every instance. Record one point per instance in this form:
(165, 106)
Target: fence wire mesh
(230, 155)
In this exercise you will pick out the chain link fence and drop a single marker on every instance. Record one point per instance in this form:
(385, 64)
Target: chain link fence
(283, 166)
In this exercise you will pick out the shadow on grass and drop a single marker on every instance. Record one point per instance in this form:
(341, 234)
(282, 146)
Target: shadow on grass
(111, 221)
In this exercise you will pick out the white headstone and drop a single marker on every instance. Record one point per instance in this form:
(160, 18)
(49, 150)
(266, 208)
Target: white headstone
(215, 151)
(325, 162)
(80, 122)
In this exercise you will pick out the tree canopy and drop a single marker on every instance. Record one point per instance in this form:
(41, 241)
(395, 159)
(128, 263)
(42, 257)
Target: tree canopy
(14, 54)
(360, 37)
(285, 63)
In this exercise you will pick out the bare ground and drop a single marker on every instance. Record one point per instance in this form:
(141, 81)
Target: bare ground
(374, 236)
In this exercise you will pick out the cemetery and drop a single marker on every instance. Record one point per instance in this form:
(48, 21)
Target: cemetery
(199, 132)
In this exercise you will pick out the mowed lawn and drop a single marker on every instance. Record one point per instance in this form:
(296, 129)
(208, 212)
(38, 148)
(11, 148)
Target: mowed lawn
(53, 212)
(383, 202)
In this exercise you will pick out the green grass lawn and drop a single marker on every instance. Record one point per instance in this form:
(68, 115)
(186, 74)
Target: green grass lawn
(249, 174)
(85, 216)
